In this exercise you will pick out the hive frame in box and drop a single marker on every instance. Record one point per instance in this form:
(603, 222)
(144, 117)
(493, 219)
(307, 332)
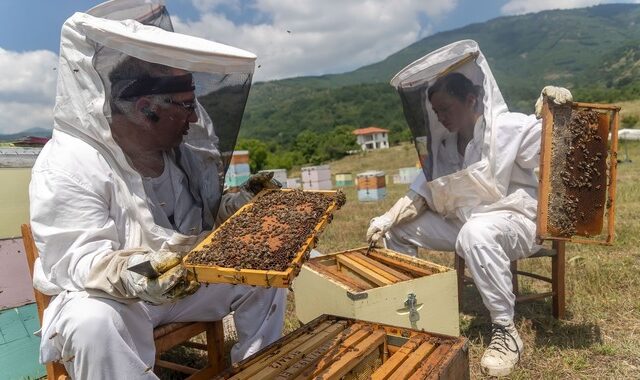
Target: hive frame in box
(382, 286)
(333, 348)
(609, 121)
(267, 278)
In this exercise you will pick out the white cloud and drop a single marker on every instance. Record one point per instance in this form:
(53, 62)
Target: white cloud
(310, 37)
(27, 89)
(291, 38)
(516, 7)
(20, 116)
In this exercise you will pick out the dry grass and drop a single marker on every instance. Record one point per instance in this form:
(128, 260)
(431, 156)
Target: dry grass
(599, 339)
(631, 107)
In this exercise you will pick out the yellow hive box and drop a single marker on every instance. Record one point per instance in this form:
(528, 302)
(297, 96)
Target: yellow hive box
(383, 286)
(267, 278)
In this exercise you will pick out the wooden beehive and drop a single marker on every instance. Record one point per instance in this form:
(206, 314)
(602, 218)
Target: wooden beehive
(316, 177)
(578, 164)
(240, 275)
(333, 347)
(240, 157)
(371, 186)
(344, 180)
(383, 286)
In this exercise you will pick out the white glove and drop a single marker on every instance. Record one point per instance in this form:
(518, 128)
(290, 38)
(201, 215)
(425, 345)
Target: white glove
(232, 201)
(407, 207)
(377, 228)
(559, 95)
(174, 281)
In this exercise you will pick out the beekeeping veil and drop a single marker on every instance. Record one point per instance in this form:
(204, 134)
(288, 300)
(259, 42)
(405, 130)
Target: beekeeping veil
(148, 12)
(445, 190)
(219, 76)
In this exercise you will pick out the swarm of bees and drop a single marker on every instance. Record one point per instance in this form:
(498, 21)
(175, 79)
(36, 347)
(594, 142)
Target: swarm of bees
(579, 160)
(269, 233)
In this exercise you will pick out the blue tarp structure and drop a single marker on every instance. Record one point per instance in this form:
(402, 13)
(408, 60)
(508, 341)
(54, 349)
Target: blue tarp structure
(18, 346)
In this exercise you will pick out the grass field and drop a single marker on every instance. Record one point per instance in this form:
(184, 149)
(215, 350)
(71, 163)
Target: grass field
(600, 337)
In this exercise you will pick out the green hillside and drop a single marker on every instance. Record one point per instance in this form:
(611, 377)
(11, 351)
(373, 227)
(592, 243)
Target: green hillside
(594, 51)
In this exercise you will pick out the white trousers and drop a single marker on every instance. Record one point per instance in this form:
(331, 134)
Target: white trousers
(487, 242)
(104, 339)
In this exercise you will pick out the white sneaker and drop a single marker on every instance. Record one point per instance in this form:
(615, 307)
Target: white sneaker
(504, 351)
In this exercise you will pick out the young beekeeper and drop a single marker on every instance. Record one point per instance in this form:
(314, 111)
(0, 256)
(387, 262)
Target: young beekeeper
(145, 122)
(478, 191)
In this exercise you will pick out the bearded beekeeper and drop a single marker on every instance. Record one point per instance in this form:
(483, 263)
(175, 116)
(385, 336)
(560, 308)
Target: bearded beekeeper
(478, 191)
(145, 122)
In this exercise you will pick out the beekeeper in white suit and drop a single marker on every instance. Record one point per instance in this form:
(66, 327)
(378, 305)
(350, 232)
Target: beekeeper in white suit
(134, 173)
(478, 192)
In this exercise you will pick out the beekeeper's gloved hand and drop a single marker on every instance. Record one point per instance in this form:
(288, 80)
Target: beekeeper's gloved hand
(559, 95)
(407, 207)
(260, 181)
(173, 280)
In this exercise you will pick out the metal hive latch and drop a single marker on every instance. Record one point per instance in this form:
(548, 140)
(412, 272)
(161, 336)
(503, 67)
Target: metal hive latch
(411, 307)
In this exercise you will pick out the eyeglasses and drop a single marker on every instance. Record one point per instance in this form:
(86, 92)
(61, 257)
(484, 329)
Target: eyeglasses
(187, 106)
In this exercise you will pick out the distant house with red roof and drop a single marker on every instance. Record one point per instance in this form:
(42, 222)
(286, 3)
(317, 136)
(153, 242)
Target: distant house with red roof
(372, 138)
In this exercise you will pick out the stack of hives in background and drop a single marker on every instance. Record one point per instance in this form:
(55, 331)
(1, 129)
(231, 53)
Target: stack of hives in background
(371, 185)
(239, 170)
(333, 348)
(406, 175)
(316, 177)
(279, 175)
(344, 180)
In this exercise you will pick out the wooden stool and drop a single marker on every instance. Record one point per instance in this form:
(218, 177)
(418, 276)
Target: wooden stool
(557, 255)
(165, 337)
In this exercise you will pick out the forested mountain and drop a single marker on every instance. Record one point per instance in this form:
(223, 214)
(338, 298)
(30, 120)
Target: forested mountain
(594, 51)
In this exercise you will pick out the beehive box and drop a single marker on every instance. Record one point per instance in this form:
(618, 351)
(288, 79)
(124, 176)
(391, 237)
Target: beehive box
(578, 172)
(383, 286)
(370, 195)
(236, 180)
(317, 185)
(371, 186)
(293, 183)
(240, 157)
(331, 347)
(266, 241)
(319, 173)
(407, 175)
(238, 169)
(371, 180)
(344, 180)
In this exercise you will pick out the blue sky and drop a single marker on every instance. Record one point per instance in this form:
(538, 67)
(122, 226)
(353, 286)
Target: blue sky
(290, 37)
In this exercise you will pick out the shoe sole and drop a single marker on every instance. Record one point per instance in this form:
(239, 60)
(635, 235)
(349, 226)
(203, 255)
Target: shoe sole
(497, 372)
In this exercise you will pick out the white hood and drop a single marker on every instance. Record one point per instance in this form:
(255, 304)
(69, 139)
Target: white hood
(81, 111)
(484, 179)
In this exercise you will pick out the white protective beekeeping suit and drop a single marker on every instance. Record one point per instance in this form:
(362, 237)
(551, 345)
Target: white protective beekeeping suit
(88, 203)
(483, 205)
